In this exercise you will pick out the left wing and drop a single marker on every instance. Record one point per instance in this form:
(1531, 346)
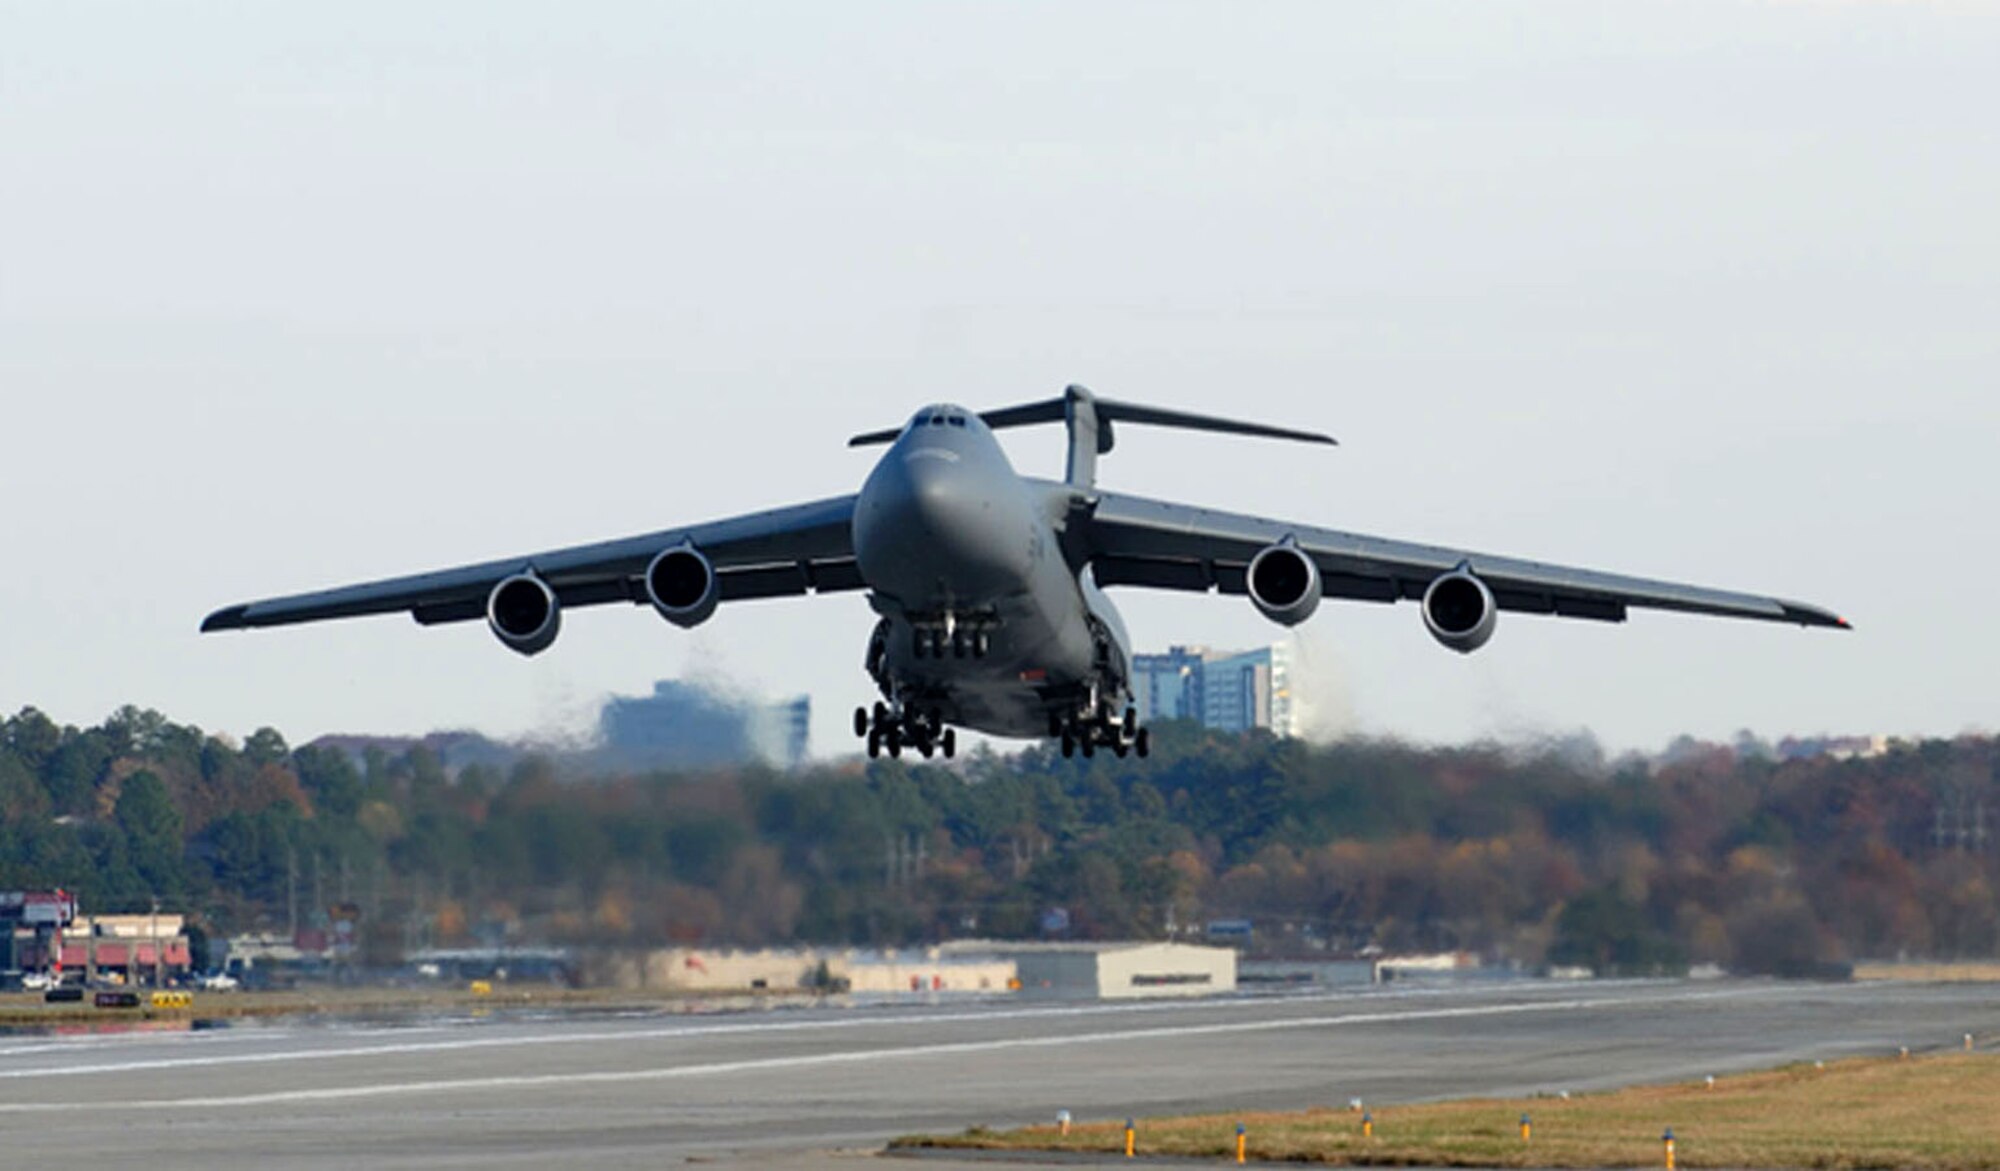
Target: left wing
(1130, 540)
(761, 555)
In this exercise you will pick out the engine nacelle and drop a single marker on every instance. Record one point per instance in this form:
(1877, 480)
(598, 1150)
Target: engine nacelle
(1459, 611)
(1283, 584)
(524, 613)
(681, 585)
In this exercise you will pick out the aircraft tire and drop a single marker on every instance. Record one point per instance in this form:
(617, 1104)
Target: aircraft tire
(1131, 721)
(895, 747)
(861, 722)
(1089, 747)
(949, 742)
(874, 744)
(1068, 745)
(980, 644)
(1143, 742)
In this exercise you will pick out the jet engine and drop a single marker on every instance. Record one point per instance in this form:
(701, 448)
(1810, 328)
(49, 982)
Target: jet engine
(1283, 583)
(524, 613)
(681, 585)
(1459, 611)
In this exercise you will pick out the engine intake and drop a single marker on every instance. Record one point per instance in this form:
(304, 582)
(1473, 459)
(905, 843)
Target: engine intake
(1459, 611)
(524, 613)
(681, 585)
(1283, 584)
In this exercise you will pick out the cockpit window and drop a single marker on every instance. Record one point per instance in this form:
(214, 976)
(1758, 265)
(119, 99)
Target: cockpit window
(937, 420)
(958, 420)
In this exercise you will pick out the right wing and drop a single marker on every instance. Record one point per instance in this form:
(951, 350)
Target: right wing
(1130, 540)
(807, 547)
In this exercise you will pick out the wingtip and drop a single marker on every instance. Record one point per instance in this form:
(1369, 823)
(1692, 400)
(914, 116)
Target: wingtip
(227, 618)
(1806, 615)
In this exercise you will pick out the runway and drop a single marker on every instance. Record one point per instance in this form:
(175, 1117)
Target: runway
(809, 1087)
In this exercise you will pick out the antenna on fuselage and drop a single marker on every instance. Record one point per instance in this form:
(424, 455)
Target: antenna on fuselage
(1089, 420)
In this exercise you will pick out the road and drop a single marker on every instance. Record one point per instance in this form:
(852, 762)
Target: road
(812, 1087)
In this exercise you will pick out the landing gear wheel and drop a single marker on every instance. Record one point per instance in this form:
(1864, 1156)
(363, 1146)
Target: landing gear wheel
(1055, 725)
(861, 721)
(1089, 747)
(1143, 742)
(874, 744)
(1119, 750)
(1068, 745)
(980, 644)
(881, 713)
(926, 747)
(1131, 721)
(959, 644)
(949, 742)
(895, 747)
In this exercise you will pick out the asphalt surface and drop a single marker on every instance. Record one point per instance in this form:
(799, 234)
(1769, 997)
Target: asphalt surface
(820, 1087)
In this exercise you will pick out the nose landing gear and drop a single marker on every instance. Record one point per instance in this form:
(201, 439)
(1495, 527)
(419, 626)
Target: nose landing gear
(954, 636)
(891, 730)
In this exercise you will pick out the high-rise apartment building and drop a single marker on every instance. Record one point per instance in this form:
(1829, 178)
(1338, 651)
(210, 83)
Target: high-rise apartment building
(1230, 691)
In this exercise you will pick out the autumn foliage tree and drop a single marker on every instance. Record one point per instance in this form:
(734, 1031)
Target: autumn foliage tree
(1711, 854)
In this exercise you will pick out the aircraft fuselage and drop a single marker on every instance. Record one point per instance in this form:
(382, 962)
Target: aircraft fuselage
(983, 618)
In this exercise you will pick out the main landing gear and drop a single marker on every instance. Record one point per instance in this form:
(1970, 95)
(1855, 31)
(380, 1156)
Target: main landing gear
(1088, 731)
(891, 730)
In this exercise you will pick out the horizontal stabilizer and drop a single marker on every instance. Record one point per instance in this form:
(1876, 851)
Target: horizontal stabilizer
(1161, 417)
(1059, 410)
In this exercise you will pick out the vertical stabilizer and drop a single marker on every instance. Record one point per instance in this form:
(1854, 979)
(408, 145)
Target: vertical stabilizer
(1089, 436)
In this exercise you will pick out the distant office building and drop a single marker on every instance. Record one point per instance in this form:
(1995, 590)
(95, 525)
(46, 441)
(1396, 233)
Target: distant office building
(1230, 691)
(684, 726)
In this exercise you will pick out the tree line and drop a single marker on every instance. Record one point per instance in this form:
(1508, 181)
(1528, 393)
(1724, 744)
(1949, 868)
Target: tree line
(1714, 854)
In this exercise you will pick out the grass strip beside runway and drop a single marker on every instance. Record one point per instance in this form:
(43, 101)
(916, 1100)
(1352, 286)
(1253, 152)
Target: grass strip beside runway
(1868, 1113)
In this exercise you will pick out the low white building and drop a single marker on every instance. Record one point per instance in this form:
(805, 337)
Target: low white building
(794, 970)
(1115, 971)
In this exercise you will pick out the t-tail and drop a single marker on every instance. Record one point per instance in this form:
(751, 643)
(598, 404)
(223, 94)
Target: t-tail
(1089, 421)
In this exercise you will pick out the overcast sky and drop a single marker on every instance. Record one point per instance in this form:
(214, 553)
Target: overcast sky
(292, 296)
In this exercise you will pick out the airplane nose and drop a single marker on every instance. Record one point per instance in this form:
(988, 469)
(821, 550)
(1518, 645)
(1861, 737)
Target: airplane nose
(936, 491)
(931, 529)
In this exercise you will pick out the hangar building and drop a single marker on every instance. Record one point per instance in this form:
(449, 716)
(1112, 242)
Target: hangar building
(1116, 971)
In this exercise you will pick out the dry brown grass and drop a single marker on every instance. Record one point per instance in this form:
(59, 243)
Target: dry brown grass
(1958, 973)
(1856, 1115)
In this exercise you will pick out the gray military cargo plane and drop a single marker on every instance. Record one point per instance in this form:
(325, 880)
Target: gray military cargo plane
(989, 584)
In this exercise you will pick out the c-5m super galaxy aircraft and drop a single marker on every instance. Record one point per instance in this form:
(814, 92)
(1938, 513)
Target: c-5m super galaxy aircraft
(989, 584)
